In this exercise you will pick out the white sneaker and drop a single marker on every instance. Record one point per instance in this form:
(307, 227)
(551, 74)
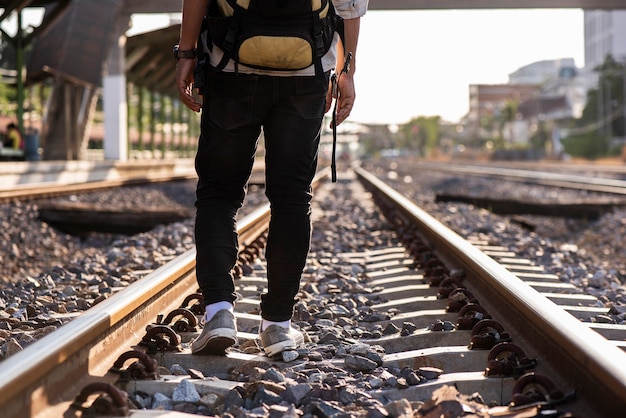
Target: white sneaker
(276, 339)
(217, 335)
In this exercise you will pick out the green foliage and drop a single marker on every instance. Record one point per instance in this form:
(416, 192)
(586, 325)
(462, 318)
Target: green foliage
(541, 138)
(8, 99)
(589, 146)
(4, 99)
(603, 116)
(509, 111)
(420, 134)
(496, 143)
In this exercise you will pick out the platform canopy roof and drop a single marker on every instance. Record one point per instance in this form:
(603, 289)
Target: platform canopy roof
(150, 61)
(9, 6)
(55, 9)
(20, 4)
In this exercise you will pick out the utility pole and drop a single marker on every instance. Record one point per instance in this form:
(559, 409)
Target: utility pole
(600, 106)
(624, 98)
(609, 107)
(19, 52)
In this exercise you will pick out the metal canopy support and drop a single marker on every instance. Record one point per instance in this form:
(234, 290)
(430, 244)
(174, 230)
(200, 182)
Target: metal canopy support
(114, 82)
(17, 5)
(21, 40)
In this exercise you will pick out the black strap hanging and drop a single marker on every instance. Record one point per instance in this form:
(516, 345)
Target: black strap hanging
(335, 94)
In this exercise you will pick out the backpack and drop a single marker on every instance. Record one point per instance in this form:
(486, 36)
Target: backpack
(279, 35)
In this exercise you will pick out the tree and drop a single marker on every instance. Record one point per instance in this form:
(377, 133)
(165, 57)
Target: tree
(603, 116)
(507, 116)
(420, 134)
(7, 67)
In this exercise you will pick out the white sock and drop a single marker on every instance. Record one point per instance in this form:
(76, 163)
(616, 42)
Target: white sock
(214, 308)
(284, 324)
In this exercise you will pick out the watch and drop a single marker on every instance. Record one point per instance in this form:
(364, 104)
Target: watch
(184, 53)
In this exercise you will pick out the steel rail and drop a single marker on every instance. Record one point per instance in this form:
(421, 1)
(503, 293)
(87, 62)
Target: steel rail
(602, 185)
(37, 191)
(562, 166)
(43, 379)
(595, 367)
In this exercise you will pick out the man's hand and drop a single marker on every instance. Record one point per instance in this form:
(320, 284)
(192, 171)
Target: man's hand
(184, 83)
(345, 100)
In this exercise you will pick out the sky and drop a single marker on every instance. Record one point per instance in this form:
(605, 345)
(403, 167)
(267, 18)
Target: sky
(421, 62)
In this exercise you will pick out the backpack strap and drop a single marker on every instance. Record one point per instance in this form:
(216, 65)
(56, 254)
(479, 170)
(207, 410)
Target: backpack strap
(332, 23)
(319, 44)
(229, 39)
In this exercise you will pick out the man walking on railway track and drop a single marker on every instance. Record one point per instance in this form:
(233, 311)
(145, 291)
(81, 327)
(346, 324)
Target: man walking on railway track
(258, 77)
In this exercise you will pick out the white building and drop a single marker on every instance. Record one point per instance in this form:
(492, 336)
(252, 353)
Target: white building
(605, 33)
(540, 72)
(555, 78)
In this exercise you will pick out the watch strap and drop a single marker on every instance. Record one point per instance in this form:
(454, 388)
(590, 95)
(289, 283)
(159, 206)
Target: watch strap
(184, 53)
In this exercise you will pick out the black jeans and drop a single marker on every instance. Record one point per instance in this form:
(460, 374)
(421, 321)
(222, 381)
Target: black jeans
(290, 112)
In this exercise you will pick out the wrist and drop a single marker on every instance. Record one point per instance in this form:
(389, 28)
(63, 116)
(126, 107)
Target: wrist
(182, 53)
(349, 74)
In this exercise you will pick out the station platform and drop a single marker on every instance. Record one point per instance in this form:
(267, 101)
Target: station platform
(20, 174)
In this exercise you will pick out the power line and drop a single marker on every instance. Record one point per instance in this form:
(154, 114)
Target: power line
(596, 125)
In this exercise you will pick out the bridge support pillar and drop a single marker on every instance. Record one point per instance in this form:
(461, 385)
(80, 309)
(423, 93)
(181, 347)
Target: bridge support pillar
(114, 97)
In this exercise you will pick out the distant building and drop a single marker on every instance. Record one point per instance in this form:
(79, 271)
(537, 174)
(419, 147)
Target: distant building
(487, 102)
(544, 71)
(560, 81)
(605, 34)
(548, 94)
(562, 97)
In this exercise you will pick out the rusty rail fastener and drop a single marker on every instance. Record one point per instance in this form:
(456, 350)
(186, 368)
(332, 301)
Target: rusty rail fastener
(111, 402)
(187, 321)
(458, 298)
(470, 315)
(145, 368)
(507, 359)
(447, 286)
(160, 338)
(534, 388)
(197, 308)
(486, 334)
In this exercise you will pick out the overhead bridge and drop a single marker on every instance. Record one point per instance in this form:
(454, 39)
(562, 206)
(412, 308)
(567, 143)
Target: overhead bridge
(169, 6)
(495, 4)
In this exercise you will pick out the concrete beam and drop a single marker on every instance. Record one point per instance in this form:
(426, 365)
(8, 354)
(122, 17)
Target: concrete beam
(152, 6)
(173, 6)
(495, 4)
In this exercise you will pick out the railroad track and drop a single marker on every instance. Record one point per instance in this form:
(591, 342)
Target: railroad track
(51, 179)
(532, 176)
(444, 311)
(43, 191)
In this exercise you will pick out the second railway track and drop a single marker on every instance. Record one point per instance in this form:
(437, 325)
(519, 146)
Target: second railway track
(393, 316)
